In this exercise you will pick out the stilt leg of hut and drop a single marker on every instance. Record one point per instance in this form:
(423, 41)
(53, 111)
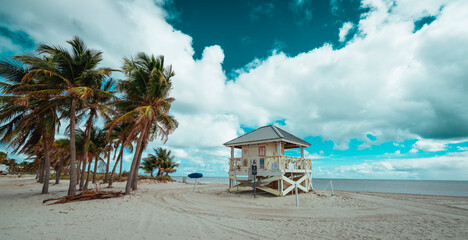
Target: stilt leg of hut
(311, 186)
(281, 185)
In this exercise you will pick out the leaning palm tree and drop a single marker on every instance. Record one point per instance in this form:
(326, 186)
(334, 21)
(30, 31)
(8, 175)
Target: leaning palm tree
(145, 105)
(73, 76)
(28, 109)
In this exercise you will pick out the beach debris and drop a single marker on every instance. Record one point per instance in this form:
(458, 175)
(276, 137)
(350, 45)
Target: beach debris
(85, 196)
(318, 194)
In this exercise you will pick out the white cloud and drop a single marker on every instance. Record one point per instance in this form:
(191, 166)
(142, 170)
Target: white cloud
(413, 150)
(128, 157)
(312, 155)
(387, 80)
(383, 81)
(344, 30)
(364, 146)
(450, 167)
(7, 44)
(430, 146)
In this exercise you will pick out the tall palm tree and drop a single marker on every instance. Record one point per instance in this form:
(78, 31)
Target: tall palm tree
(28, 109)
(96, 146)
(95, 105)
(145, 105)
(74, 76)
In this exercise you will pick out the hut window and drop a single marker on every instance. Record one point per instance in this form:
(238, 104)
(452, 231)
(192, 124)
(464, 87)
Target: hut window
(262, 163)
(261, 151)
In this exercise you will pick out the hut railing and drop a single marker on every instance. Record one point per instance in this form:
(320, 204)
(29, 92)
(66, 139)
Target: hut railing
(274, 163)
(235, 164)
(287, 163)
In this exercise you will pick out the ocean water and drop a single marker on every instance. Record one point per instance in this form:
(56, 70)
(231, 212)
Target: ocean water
(429, 187)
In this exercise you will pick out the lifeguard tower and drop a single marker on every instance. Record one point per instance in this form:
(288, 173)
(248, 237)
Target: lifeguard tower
(276, 173)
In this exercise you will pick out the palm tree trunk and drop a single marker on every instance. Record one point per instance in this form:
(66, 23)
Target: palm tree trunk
(107, 165)
(78, 172)
(87, 175)
(135, 174)
(95, 169)
(45, 186)
(120, 173)
(111, 179)
(128, 187)
(72, 187)
(83, 171)
(85, 148)
(41, 171)
(135, 178)
(59, 171)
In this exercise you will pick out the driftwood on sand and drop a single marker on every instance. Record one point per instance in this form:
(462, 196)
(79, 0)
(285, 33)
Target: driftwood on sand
(85, 195)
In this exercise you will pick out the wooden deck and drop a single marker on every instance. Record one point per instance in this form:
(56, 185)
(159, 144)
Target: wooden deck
(277, 175)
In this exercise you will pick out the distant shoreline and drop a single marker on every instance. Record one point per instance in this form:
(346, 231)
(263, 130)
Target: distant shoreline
(419, 187)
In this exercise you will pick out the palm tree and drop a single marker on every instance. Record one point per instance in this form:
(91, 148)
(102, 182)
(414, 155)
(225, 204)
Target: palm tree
(61, 153)
(165, 161)
(99, 147)
(119, 133)
(96, 146)
(28, 109)
(3, 156)
(145, 105)
(149, 164)
(73, 76)
(96, 105)
(161, 155)
(169, 167)
(162, 159)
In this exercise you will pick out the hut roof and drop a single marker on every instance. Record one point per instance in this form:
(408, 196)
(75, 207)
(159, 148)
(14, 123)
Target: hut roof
(269, 133)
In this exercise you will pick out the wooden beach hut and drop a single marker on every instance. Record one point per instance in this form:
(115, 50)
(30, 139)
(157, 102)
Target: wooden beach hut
(276, 173)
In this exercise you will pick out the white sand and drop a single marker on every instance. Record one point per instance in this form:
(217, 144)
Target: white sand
(174, 211)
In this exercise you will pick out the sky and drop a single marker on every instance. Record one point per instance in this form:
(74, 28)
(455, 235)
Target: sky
(378, 87)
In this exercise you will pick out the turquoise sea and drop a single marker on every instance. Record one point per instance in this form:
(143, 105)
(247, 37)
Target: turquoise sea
(429, 187)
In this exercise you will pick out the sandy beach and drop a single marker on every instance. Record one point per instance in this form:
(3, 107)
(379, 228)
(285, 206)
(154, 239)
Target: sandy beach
(174, 211)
